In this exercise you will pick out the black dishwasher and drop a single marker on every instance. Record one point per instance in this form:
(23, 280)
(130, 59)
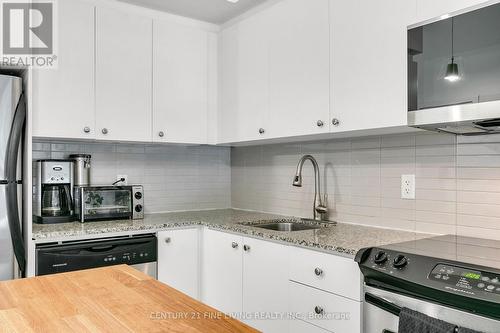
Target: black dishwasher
(138, 251)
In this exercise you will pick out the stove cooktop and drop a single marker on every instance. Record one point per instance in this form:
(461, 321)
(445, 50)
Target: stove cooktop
(461, 272)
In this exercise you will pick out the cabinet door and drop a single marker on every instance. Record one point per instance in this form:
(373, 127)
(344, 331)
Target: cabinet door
(244, 90)
(222, 271)
(227, 115)
(265, 283)
(178, 260)
(369, 63)
(63, 98)
(299, 68)
(123, 75)
(180, 83)
(253, 83)
(429, 9)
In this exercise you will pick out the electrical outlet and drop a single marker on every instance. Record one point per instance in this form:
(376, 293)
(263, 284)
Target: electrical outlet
(407, 186)
(125, 182)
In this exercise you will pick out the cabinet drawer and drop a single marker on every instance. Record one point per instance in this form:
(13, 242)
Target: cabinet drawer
(328, 272)
(299, 326)
(337, 314)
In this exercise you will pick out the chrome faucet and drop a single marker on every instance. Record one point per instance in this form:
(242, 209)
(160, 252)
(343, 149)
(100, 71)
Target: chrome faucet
(319, 208)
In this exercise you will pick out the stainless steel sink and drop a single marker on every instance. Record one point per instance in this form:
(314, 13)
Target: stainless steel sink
(287, 226)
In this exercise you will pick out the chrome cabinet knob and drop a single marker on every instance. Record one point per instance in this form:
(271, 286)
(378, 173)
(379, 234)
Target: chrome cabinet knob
(318, 309)
(335, 122)
(262, 131)
(104, 131)
(234, 245)
(161, 134)
(86, 129)
(318, 271)
(168, 240)
(320, 123)
(246, 248)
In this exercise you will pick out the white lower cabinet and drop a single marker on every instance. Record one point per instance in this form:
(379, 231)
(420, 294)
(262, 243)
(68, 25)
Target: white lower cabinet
(222, 271)
(327, 272)
(265, 285)
(300, 326)
(326, 310)
(178, 260)
(270, 286)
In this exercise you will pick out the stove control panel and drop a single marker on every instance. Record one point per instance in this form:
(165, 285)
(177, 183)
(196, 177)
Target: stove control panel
(459, 278)
(462, 285)
(386, 260)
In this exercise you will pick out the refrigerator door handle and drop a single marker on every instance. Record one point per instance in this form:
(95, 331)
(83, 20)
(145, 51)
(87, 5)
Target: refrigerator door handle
(14, 140)
(11, 191)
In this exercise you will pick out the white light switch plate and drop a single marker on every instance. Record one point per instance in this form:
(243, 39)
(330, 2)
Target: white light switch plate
(408, 187)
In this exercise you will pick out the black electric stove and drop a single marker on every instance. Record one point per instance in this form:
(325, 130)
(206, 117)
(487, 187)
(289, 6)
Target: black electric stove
(459, 272)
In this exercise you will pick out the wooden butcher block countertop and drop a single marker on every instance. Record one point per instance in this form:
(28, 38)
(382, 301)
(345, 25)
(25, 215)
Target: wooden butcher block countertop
(111, 299)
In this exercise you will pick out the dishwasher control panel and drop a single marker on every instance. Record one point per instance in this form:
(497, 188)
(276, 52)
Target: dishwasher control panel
(72, 256)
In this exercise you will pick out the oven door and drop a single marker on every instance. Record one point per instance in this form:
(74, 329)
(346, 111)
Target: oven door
(381, 308)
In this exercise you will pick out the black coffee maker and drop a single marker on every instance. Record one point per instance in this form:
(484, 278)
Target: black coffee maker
(52, 195)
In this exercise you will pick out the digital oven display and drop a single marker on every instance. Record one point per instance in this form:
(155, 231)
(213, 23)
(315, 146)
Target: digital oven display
(471, 275)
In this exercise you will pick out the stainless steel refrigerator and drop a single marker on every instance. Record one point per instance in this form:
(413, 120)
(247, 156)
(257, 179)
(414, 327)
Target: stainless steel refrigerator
(12, 123)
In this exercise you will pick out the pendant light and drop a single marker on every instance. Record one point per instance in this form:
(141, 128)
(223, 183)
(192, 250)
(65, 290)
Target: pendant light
(452, 74)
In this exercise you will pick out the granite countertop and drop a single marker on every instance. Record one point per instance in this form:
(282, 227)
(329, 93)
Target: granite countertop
(339, 238)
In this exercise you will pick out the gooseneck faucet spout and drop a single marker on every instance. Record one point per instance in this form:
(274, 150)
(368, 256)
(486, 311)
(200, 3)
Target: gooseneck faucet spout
(319, 208)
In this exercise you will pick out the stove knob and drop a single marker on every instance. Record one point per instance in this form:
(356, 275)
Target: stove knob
(138, 208)
(400, 261)
(380, 257)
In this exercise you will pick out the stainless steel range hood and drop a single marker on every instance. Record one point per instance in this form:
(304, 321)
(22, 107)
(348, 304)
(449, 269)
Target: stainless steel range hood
(464, 119)
(469, 102)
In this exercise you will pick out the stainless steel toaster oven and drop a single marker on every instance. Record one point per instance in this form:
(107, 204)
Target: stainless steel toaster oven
(100, 203)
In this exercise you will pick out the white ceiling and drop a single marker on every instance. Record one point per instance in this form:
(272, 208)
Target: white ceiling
(214, 11)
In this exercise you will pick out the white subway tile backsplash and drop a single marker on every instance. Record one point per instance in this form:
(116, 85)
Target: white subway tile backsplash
(457, 185)
(457, 178)
(174, 177)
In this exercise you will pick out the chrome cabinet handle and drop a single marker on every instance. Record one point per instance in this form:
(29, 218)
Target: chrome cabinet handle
(320, 123)
(318, 271)
(168, 240)
(262, 131)
(318, 309)
(104, 131)
(246, 248)
(86, 129)
(335, 122)
(234, 245)
(161, 134)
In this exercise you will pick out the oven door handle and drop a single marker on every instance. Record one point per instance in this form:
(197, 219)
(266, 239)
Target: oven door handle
(383, 304)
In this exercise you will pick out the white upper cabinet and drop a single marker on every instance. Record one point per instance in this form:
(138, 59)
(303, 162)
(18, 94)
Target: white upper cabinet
(369, 75)
(228, 70)
(244, 90)
(180, 74)
(429, 9)
(63, 98)
(123, 75)
(299, 68)
(275, 73)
